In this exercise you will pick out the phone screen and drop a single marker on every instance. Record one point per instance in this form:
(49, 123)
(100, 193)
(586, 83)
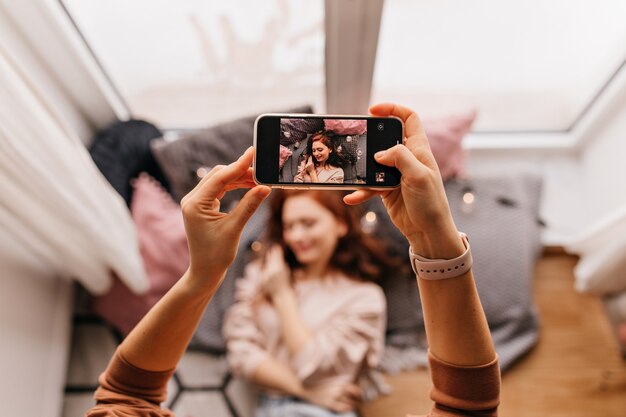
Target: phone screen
(323, 151)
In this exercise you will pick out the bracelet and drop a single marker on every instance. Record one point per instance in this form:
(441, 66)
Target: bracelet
(433, 269)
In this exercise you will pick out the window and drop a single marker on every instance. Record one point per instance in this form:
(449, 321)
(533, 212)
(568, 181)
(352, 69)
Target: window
(525, 65)
(191, 63)
(530, 66)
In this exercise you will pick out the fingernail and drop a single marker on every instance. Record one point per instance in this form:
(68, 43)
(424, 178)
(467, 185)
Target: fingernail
(379, 154)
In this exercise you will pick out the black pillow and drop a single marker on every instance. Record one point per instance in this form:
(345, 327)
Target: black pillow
(122, 151)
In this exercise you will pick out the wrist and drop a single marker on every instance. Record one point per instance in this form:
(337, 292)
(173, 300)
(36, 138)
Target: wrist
(282, 295)
(203, 280)
(442, 243)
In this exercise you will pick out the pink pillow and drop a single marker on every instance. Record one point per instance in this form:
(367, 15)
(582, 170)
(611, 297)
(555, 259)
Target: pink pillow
(345, 126)
(284, 154)
(163, 247)
(445, 135)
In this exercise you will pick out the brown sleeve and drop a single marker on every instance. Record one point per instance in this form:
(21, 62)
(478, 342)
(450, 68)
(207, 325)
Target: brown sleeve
(464, 390)
(131, 390)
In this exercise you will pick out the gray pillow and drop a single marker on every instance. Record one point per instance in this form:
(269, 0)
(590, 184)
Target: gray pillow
(505, 231)
(504, 228)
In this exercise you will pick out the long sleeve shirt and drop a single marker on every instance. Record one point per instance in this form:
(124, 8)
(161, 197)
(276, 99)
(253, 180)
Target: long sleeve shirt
(346, 317)
(126, 390)
(330, 174)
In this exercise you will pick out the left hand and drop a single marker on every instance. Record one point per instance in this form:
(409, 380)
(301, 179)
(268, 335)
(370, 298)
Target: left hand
(276, 273)
(213, 236)
(337, 397)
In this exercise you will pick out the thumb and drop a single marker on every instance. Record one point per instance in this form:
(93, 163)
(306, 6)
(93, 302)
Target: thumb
(248, 205)
(398, 156)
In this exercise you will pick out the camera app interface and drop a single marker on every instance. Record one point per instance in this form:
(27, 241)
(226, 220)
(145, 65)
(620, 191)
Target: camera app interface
(328, 151)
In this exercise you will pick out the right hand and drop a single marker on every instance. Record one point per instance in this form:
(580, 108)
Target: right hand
(338, 397)
(419, 207)
(275, 272)
(309, 166)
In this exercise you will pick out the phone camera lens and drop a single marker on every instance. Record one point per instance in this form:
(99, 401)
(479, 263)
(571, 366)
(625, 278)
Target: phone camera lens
(381, 126)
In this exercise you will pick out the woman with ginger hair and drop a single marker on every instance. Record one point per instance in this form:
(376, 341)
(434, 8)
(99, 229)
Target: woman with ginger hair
(309, 309)
(321, 163)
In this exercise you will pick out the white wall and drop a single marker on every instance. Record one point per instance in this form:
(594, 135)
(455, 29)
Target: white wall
(584, 170)
(35, 319)
(560, 208)
(582, 186)
(603, 163)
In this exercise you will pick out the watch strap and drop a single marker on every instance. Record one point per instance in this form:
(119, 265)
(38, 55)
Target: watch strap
(434, 269)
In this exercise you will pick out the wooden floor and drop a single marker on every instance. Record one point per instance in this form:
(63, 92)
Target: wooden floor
(575, 370)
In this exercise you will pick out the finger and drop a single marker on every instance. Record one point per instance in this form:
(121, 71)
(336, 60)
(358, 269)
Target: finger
(248, 205)
(359, 196)
(273, 255)
(344, 406)
(245, 181)
(207, 177)
(414, 130)
(352, 391)
(204, 179)
(216, 184)
(400, 157)
(277, 252)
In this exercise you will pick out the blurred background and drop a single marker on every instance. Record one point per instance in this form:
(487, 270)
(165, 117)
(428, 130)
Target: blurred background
(525, 107)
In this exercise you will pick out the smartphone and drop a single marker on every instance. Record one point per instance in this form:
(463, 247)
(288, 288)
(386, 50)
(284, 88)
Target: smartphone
(324, 151)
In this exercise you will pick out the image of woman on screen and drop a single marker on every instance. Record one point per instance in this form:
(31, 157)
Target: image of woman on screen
(321, 163)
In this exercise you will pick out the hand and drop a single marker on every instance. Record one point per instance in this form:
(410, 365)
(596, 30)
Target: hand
(275, 272)
(419, 207)
(338, 397)
(309, 166)
(213, 236)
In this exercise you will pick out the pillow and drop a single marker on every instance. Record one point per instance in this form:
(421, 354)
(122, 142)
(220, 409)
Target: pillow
(296, 130)
(122, 151)
(163, 247)
(348, 147)
(346, 126)
(504, 232)
(445, 135)
(283, 155)
(205, 148)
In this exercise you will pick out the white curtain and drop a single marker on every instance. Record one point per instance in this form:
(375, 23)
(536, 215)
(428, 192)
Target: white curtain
(57, 212)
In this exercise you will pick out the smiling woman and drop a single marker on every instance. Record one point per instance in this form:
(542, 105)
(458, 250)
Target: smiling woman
(307, 314)
(321, 162)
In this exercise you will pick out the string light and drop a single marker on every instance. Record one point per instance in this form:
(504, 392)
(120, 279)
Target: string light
(468, 199)
(369, 222)
(202, 171)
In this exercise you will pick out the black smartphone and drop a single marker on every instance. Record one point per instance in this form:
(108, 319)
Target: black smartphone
(324, 151)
